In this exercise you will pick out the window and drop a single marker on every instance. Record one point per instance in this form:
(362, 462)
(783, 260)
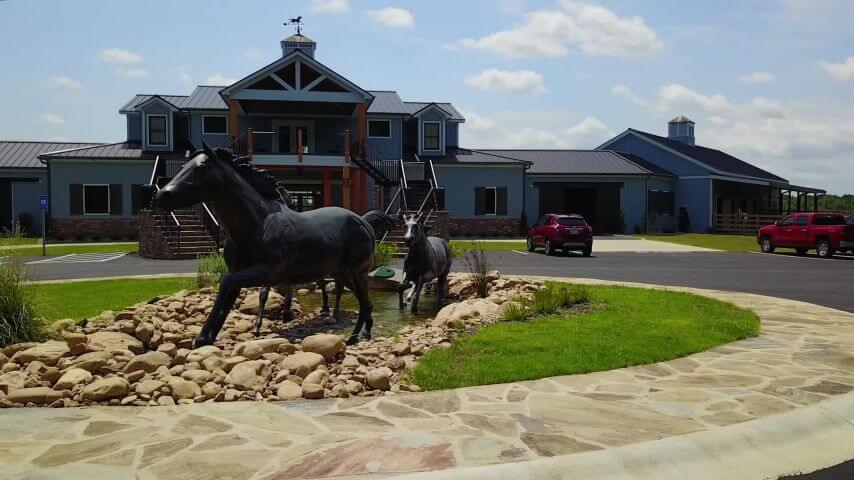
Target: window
(828, 220)
(489, 201)
(787, 221)
(431, 135)
(571, 222)
(96, 199)
(802, 221)
(379, 128)
(157, 129)
(660, 202)
(214, 125)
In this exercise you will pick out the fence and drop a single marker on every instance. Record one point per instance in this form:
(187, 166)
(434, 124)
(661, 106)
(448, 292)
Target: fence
(743, 223)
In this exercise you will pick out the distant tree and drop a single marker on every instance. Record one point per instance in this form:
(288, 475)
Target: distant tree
(837, 203)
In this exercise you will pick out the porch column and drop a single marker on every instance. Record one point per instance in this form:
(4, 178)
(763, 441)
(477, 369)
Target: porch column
(363, 124)
(364, 200)
(232, 117)
(345, 184)
(814, 202)
(357, 190)
(327, 187)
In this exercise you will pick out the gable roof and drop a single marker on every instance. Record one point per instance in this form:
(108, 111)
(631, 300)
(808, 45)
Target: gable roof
(26, 154)
(712, 158)
(581, 162)
(386, 102)
(204, 97)
(119, 150)
(463, 156)
(415, 107)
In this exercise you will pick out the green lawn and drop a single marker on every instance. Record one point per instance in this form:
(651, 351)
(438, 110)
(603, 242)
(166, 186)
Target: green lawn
(79, 300)
(635, 326)
(490, 245)
(18, 241)
(729, 243)
(66, 249)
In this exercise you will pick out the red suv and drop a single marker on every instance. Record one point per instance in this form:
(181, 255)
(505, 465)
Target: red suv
(825, 232)
(561, 232)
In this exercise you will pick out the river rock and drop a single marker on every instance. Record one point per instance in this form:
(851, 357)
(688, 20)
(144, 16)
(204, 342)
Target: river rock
(144, 331)
(12, 381)
(115, 342)
(325, 344)
(183, 389)
(48, 353)
(250, 304)
(92, 361)
(148, 387)
(379, 378)
(106, 388)
(249, 350)
(148, 362)
(466, 310)
(71, 378)
(249, 375)
(302, 363)
(39, 395)
(319, 377)
(202, 353)
(289, 390)
(312, 391)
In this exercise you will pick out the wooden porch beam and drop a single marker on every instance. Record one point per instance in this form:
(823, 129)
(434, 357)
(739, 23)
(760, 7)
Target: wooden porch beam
(327, 187)
(232, 117)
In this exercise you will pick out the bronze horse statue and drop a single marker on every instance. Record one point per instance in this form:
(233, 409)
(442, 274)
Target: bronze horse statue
(273, 245)
(426, 259)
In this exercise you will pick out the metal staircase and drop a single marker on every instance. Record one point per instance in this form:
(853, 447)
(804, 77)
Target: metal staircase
(421, 197)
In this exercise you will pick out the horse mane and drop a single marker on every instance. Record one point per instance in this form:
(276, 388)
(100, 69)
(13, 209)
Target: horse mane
(262, 181)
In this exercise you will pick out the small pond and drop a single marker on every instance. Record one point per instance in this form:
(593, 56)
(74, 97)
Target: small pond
(388, 318)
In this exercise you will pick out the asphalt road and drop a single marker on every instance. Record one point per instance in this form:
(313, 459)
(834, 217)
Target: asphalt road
(809, 279)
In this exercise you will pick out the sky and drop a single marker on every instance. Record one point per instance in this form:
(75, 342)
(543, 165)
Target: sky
(769, 81)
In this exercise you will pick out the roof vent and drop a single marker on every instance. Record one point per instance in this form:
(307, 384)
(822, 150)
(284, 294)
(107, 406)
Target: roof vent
(681, 128)
(299, 42)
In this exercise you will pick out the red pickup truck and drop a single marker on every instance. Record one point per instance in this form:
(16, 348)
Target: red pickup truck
(824, 232)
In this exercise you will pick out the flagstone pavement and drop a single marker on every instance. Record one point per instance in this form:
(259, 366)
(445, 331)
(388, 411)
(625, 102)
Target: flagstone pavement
(804, 355)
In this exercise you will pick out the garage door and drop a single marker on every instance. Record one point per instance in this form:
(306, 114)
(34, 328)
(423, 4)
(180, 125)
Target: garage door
(599, 203)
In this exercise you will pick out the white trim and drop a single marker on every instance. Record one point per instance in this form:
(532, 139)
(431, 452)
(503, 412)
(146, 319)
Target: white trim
(216, 116)
(424, 148)
(494, 202)
(147, 128)
(379, 120)
(109, 209)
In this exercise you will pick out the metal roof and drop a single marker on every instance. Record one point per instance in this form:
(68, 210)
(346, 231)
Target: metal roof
(204, 97)
(715, 159)
(25, 154)
(576, 162)
(461, 156)
(681, 119)
(413, 107)
(386, 102)
(120, 150)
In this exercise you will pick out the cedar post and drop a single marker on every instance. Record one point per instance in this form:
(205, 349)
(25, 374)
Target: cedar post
(249, 147)
(345, 183)
(299, 144)
(232, 117)
(327, 187)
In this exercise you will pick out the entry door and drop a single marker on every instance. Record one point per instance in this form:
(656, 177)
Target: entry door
(285, 141)
(5, 206)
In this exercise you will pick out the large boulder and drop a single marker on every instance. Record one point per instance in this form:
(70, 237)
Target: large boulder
(202, 353)
(92, 361)
(106, 389)
(71, 378)
(302, 363)
(148, 362)
(312, 391)
(115, 342)
(325, 344)
(318, 377)
(183, 389)
(148, 387)
(39, 395)
(289, 390)
(12, 381)
(478, 308)
(250, 304)
(379, 378)
(249, 375)
(48, 353)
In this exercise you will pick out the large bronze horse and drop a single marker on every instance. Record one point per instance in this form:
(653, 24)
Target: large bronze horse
(274, 245)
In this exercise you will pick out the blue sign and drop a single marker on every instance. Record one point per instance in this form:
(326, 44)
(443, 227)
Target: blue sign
(43, 203)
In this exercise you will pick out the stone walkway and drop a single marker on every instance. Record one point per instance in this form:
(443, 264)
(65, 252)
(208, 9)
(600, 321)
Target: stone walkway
(803, 356)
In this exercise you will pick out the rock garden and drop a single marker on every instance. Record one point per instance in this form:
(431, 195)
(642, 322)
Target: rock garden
(143, 355)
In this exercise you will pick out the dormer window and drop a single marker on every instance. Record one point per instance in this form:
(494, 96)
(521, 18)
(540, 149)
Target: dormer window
(215, 125)
(431, 135)
(157, 130)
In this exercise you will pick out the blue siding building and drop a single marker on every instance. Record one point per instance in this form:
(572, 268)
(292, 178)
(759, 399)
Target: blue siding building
(332, 142)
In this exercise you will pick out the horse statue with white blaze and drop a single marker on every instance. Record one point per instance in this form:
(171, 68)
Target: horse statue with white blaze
(428, 258)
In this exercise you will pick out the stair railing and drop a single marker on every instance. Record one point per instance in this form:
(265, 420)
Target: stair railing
(164, 220)
(369, 157)
(210, 222)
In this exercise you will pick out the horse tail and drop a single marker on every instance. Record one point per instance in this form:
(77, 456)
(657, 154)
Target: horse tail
(380, 222)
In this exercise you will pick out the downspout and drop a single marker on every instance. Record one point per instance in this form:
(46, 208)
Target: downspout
(49, 217)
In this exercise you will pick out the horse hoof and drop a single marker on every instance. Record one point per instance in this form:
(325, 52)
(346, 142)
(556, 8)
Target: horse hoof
(202, 341)
(366, 336)
(354, 339)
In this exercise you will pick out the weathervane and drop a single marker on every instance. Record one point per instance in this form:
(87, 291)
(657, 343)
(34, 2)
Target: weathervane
(296, 21)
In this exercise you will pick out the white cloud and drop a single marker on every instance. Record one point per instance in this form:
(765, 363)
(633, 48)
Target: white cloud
(186, 78)
(131, 72)
(256, 54)
(329, 6)
(477, 123)
(558, 129)
(758, 78)
(119, 56)
(588, 132)
(804, 141)
(518, 82)
(52, 119)
(66, 83)
(842, 71)
(393, 17)
(592, 29)
(219, 79)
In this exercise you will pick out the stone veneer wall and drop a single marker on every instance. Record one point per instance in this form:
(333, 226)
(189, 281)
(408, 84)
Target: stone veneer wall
(87, 228)
(152, 243)
(484, 227)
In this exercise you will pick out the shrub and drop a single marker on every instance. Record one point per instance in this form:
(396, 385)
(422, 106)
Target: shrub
(478, 267)
(383, 254)
(457, 250)
(210, 270)
(517, 312)
(548, 301)
(19, 317)
(25, 223)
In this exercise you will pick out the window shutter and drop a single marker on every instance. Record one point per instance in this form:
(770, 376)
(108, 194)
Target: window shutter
(115, 199)
(501, 201)
(479, 200)
(75, 199)
(652, 204)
